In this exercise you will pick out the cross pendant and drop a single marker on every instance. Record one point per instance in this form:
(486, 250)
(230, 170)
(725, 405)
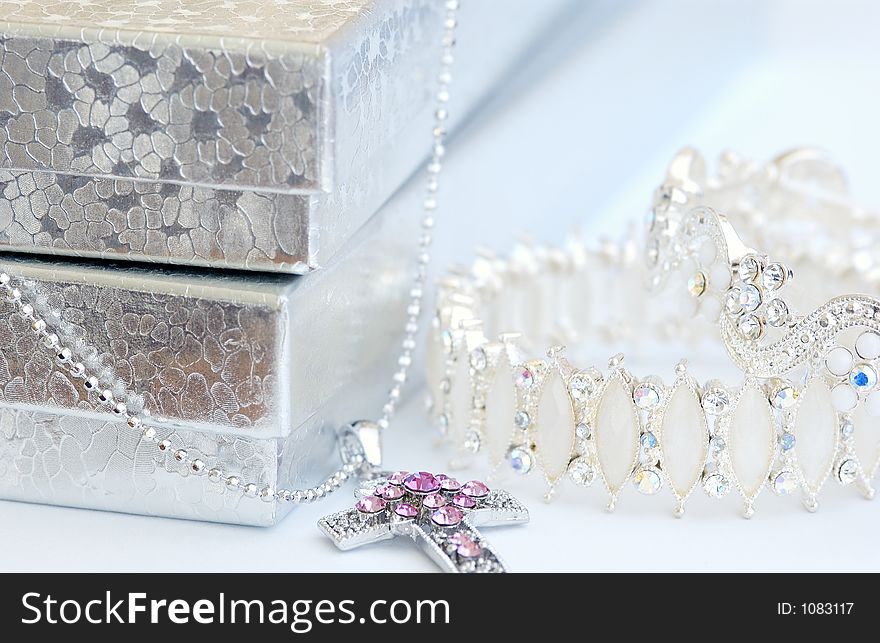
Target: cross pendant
(440, 514)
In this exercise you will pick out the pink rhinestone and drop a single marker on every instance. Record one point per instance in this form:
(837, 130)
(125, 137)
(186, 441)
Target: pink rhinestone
(434, 501)
(378, 491)
(475, 489)
(390, 492)
(467, 547)
(447, 516)
(463, 501)
(406, 510)
(422, 482)
(450, 484)
(398, 477)
(523, 378)
(370, 505)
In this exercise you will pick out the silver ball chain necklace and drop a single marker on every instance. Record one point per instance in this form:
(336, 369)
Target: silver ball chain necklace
(437, 511)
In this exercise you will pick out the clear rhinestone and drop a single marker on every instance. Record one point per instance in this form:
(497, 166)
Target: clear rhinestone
(863, 377)
(848, 471)
(478, 359)
(649, 454)
(716, 401)
(697, 284)
(522, 420)
(716, 485)
(582, 431)
(749, 297)
(650, 221)
(471, 442)
(716, 446)
(647, 481)
(520, 459)
(524, 378)
(443, 424)
(787, 441)
(750, 327)
(847, 429)
(581, 472)
(774, 276)
(777, 313)
(580, 387)
(731, 301)
(646, 396)
(785, 483)
(784, 397)
(827, 320)
(749, 268)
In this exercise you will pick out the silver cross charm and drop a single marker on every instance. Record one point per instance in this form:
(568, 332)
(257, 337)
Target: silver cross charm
(439, 513)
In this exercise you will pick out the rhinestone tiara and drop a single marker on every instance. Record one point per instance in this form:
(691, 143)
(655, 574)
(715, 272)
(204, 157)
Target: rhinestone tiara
(806, 409)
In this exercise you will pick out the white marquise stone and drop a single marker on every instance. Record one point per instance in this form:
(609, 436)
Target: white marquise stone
(500, 410)
(554, 430)
(684, 440)
(751, 441)
(816, 432)
(866, 439)
(617, 434)
(460, 400)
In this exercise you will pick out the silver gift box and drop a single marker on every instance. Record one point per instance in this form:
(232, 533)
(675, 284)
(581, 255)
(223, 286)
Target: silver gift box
(244, 134)
(251, 372)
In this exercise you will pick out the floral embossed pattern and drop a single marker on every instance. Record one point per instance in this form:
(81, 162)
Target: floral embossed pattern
(146, 107)
(190, 360)
(205, 371)
(152, 221)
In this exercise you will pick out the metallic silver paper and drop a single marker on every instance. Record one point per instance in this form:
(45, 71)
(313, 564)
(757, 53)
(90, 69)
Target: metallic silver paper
(254, 371)
(244, 134)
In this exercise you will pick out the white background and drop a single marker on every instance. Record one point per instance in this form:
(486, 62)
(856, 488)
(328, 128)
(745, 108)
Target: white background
(581, 138)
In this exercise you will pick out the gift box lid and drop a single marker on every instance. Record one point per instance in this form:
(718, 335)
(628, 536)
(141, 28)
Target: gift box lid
(237, 134)
(236, 94)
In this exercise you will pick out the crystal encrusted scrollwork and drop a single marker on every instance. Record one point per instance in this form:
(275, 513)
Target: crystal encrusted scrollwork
(806, 410)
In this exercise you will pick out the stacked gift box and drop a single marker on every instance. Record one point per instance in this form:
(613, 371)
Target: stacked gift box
(214, 205)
